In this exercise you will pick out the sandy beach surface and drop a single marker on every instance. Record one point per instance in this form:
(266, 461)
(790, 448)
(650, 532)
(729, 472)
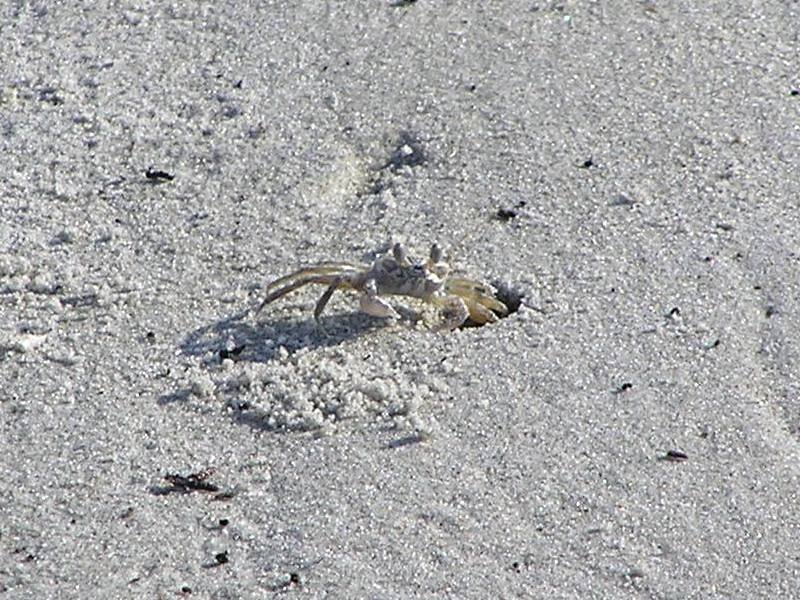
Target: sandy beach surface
(625, 174)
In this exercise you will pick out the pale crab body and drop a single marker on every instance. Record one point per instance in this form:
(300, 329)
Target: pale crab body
(393, 274)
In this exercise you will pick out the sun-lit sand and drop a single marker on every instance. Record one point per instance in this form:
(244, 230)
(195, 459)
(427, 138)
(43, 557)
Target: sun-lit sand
(626, 173)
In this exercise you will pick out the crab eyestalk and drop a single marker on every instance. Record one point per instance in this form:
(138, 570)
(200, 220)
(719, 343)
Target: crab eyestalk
(400, 255)
(436, 264)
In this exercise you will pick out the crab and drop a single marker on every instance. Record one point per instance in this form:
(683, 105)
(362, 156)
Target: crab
(393, 273)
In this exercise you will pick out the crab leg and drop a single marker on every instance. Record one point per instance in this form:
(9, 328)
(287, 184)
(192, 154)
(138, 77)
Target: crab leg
(344, 266)
(323, 300)
(329, 268)
(274, 295)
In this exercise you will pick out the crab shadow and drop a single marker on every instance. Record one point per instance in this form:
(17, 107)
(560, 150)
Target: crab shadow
(243, 339)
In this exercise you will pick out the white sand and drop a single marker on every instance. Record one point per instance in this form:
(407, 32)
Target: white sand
(382, 460)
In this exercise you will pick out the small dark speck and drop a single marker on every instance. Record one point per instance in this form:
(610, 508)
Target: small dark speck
(186, 590)
(725, 226)
(223, 522)
(623, 388)
(713, 344)
(294, 578)
(674, 456)
(505, 214)
(221, 557)
(794, 93)
(151, 337)
(398, 3)
(587, 163)
(709, 259)
(472, 88)
(187, 483)
(674, 312)
(622, 200)
(157, 175)
(238, 84)
(770, 310)
(518, 566)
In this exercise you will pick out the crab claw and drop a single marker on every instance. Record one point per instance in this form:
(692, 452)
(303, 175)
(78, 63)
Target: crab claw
(371, 304)
(453, 314)
(377, 307)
